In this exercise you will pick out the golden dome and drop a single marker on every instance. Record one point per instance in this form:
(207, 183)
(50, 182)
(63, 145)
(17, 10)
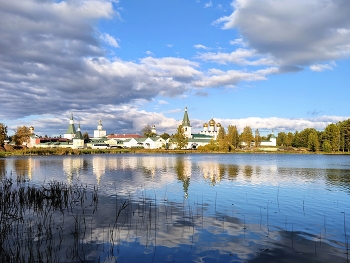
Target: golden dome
(205, 125)
(212, 122)
(218, 124)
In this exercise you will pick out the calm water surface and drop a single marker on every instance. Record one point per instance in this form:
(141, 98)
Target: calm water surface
(199, 207)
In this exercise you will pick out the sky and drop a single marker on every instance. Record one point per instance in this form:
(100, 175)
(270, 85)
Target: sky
(273, 65)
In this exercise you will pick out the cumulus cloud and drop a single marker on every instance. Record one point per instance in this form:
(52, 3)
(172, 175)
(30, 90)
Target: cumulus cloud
(51, 60)
(296, 33)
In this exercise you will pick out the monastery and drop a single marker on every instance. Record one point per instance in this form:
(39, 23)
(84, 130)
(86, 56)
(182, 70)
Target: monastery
(73, 138)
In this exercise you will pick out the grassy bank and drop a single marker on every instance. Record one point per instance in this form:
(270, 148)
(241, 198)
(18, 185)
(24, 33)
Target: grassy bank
(61, 151)
(69, 151)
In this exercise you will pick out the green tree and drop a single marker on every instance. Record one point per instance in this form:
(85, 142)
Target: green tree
(281, 139)
(257, 138)
(3, 133)
(247, 136)
(179, 138)
(165, 136)
(233, 136)
(332, 135)
(147, 131)
(313, 143)
(344, 128)
(301, 139)
(222, 140)
(289, 139)
(22, 135)
(326, 146)
(86, 137)
(213, 145)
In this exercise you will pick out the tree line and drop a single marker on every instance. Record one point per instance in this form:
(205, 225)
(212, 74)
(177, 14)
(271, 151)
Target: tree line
(334, 138)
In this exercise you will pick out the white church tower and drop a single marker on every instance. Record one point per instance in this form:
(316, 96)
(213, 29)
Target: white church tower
(70, 133)
(186, 125)
(99, 133)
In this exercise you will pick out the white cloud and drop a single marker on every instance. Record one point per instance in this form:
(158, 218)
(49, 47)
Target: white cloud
(110, 40)
(292, 31)
(169, 45)
(274, 123)
(322, 67)
(217, 78)
(208, 4)
(238, 42)
(239, 56)
(199, 46)
(149, 53)
(163, 102)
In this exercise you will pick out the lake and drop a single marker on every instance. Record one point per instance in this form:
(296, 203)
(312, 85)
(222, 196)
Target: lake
(182, 208)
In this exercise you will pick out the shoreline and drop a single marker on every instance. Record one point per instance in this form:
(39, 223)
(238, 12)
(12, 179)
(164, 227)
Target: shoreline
(68, 151)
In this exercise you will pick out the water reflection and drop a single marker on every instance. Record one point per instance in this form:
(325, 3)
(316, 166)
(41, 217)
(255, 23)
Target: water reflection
(196, 208)
(2, 168)
(153, 168)
(72, 168)
(183, 171)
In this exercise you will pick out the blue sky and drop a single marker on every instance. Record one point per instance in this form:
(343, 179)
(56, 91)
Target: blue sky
(281, 65)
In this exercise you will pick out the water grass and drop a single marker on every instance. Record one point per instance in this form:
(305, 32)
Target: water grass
(58, 222)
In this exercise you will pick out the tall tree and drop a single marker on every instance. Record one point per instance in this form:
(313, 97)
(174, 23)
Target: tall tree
(281, 139)
(332, 135)
(257, 138)
(247, 135)
(344, 128)
(233, 136)
(22, 135)
(326, 146)
(147, 131)
(3, 133)
(222, 140)
(289, 139)
(179, 138)
(313, 143)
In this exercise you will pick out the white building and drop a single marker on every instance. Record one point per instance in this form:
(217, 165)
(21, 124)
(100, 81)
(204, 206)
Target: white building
(271, 142)
(212, 130)
(99, 133)
(78, 140)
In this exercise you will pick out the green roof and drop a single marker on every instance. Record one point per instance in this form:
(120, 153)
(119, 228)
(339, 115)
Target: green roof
(71, 127)
(201, 136)
(78, 134)
(186, 120)
(199, 140)
(140, 139)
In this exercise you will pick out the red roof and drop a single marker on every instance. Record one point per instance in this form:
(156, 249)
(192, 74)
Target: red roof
(123, 136)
